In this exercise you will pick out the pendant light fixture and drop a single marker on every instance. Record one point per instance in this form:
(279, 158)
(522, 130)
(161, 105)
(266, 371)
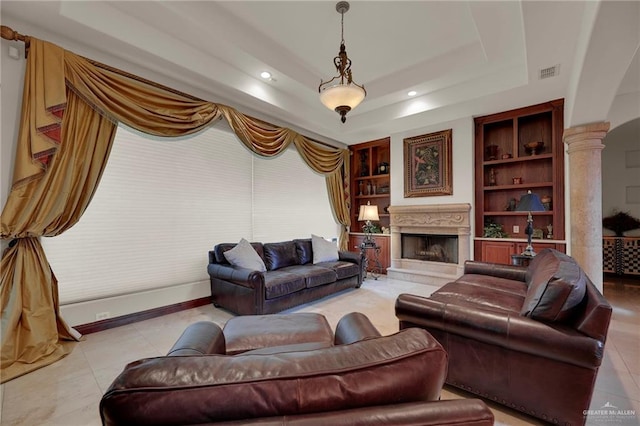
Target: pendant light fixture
(341, 93)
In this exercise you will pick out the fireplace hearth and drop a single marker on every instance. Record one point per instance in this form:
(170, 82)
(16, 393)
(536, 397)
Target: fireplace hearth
(430, 243)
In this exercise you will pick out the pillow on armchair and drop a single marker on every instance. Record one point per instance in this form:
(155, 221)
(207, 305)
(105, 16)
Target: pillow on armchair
(556, 286)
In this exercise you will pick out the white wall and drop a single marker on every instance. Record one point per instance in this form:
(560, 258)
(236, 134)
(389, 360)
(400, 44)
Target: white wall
(622, 146)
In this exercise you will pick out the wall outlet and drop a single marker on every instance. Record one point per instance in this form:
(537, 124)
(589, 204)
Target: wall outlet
(516, 229)
(102, 316)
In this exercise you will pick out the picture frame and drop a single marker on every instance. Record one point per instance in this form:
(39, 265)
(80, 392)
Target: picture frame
(428, 165)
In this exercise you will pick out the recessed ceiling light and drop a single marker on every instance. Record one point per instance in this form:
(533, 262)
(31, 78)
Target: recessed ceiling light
(265, 74)
(412, 93)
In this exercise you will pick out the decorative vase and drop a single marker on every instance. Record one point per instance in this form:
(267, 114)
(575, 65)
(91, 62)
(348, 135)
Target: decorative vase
(546, 202)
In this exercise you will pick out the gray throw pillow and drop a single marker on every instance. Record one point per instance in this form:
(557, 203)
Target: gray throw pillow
(323, 250)
(245, 256)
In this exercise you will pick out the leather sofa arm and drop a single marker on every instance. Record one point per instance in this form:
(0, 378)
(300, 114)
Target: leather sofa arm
(510, 272)
(242, 276)
(450, 412)
(350, 256)
(501, 328)
(200, 338)
(354, 327)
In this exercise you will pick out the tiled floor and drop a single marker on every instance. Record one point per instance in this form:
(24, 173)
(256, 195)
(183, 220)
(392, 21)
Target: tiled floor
(68, 392)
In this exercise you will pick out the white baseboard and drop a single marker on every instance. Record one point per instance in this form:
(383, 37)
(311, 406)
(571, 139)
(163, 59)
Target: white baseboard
(111, 307)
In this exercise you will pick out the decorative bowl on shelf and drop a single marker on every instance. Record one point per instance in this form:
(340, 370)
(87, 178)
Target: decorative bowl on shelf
(534, 148)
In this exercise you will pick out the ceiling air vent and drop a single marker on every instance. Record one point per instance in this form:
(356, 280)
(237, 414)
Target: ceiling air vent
(549, 72)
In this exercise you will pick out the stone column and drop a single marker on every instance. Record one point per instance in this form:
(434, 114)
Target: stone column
(585, 196)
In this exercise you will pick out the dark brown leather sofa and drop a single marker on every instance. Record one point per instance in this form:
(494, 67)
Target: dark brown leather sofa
(291, 278)
(362, 378)
(530, 338)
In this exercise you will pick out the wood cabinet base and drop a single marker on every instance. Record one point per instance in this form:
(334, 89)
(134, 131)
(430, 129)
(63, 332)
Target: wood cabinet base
(500, 251)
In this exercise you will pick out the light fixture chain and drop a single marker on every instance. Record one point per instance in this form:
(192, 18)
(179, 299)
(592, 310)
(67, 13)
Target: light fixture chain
(342, 28)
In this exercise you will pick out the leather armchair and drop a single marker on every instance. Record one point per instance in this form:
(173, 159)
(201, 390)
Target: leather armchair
(531, 338)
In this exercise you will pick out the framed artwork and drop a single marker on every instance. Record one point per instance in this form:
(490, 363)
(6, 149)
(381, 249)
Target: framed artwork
(427, 165)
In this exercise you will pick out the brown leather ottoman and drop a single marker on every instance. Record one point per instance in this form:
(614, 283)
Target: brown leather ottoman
(249, 332)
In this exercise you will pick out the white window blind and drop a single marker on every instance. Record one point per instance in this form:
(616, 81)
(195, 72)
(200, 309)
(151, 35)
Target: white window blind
(162, 204)
(290, 200)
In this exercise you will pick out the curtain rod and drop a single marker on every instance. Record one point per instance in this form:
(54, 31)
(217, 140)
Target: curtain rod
(9, 34)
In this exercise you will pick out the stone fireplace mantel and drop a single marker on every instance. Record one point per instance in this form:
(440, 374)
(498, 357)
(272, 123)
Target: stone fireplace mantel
(439, 219)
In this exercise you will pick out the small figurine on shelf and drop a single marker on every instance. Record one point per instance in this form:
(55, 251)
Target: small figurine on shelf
(549, 231)
(364, 167)
(492, 177)
(512, 205)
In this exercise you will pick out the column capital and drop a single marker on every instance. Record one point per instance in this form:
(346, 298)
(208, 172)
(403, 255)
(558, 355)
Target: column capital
(586, 136)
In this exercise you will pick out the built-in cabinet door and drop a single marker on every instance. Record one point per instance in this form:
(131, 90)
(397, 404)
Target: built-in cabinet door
(497, 252)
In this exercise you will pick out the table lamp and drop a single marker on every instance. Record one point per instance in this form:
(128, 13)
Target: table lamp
(367, 214)
(529, 202)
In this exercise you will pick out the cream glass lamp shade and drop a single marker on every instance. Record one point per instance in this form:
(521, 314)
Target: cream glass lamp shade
(368, 212)
(342, 95)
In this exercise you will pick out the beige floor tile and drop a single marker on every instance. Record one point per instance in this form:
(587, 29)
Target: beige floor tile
(120, 353)
(85, 416)
(613, 360)
(50, 400)
(631, 358)
(73, 366)
(106, 375)
(108, 338)
(636, 378)
(618, 383)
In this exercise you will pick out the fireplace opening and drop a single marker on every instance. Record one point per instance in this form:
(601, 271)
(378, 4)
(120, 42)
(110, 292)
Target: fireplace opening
(430, 247)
